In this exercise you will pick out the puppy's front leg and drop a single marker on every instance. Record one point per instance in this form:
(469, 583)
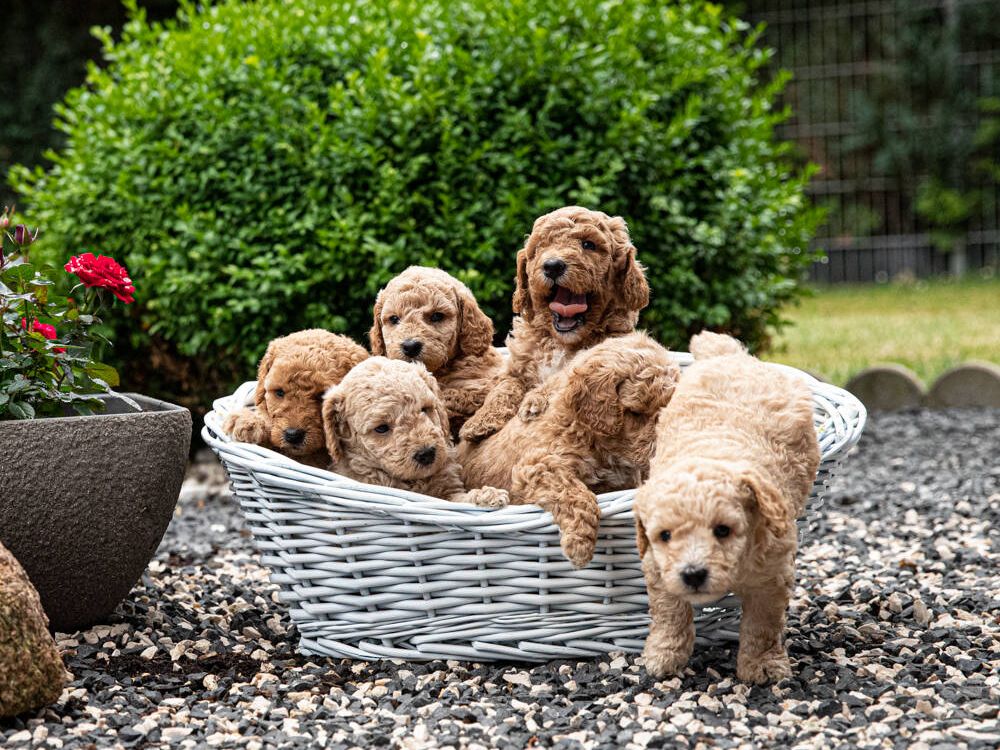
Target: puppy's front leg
(497, 410)
(670, 642)
(463, 402)
(556, 488)
(762, 656)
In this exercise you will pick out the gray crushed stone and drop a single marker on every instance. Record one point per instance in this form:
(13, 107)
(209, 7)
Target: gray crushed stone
(894, 633)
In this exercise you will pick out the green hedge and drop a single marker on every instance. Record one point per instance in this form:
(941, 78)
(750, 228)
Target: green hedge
(266, 166)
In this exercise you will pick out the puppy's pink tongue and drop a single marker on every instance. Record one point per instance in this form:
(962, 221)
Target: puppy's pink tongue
(568, 304)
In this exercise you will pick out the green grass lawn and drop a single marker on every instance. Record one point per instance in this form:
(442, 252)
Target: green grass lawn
(927, 326)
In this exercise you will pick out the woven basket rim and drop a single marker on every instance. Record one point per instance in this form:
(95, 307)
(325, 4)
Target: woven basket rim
(279, 467)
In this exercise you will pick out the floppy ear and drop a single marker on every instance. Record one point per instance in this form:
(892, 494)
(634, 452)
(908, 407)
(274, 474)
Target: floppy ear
(593, 397)
(632, 280)
(777, 515)
(475, 329)
(332, 403)
(521, 302)
(635, 288)
(640, 536)
(375, 334)
(651, 388)
(440, 412)
(263, 368)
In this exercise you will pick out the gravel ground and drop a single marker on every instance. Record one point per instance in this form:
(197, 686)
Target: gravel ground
(894, 633)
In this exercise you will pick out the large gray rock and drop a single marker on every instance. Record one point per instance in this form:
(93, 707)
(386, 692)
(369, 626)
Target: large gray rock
(84, 502)
(31, 670)
(887, 388)
(973, 384)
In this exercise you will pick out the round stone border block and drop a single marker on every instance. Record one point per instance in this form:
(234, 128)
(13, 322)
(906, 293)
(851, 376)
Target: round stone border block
(972, 384)
(888, 387)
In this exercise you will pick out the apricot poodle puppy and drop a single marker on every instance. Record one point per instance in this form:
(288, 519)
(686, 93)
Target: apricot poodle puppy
(578, 283)
(386, 424)
(426, 315)
(736, 456)
(596, 435)
(292, 377)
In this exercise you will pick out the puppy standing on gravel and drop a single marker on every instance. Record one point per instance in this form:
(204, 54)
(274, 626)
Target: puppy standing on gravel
(596, 435)
(578, 283)
(426, 315)
(736, 456)
(292, 377)
(385, 424)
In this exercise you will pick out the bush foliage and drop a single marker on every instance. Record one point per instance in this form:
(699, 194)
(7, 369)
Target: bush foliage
(267, 166)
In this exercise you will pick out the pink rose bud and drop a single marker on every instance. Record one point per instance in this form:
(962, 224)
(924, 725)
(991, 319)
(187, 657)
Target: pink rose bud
(23, 235)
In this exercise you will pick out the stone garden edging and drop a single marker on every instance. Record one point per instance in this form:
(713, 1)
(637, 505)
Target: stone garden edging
(893, 387)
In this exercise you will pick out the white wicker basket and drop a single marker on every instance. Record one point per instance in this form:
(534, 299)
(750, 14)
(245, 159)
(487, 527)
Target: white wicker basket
(370, 572)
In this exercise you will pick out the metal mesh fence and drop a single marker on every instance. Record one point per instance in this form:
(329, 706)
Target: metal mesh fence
(889, 99)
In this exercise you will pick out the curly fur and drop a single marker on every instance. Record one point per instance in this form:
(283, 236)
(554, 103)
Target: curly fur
(736, 451)
(405, 398)
(596, 435)
(457, 349)
(608, 274)
(302, 366)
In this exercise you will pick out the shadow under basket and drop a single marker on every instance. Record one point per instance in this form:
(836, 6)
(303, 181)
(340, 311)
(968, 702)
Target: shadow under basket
(370, 572)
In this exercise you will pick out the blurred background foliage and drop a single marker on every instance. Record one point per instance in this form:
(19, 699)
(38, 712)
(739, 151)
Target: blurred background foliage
(268, 166)
(45, 51)
(896, 101)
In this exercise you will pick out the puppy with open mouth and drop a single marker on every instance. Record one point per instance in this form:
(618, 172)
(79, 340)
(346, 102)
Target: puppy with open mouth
(578, 283)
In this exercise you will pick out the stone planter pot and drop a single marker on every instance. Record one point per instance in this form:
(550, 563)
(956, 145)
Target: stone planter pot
(84, 501)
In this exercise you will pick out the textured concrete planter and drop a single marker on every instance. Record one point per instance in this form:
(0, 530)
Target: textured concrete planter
(84, 502)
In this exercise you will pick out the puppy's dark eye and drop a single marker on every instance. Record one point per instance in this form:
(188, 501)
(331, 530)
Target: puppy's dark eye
(382, 429)
(437, 317)
(664, 536)
(427, 410)
(394, 319)
(279, 392)
(588, 245)
(721, 531)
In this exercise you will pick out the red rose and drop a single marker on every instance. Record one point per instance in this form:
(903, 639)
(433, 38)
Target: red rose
(104, 273)
(48, 331)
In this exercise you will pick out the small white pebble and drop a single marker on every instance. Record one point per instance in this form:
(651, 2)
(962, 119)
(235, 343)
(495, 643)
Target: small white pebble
(920, 612)
(518, 678)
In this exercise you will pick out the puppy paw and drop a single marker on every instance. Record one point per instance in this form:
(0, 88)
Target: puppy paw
(578, 549)
(664, 662)
(533, 406)
(247, 426)
(477, 430)
(770, 667)
(488, 497)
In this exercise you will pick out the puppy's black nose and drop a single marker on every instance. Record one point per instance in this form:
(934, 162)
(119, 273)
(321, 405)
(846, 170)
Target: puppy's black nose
(411, 347)
(694, 577)
(425, 456)
(554, 268)
(293, 436)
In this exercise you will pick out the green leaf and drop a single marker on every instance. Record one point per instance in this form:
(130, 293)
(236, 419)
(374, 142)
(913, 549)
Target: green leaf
(103, 372)
(21, 410)
(20, 383)
(14, 276)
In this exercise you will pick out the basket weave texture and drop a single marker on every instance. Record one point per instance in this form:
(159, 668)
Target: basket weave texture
(370, 572)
